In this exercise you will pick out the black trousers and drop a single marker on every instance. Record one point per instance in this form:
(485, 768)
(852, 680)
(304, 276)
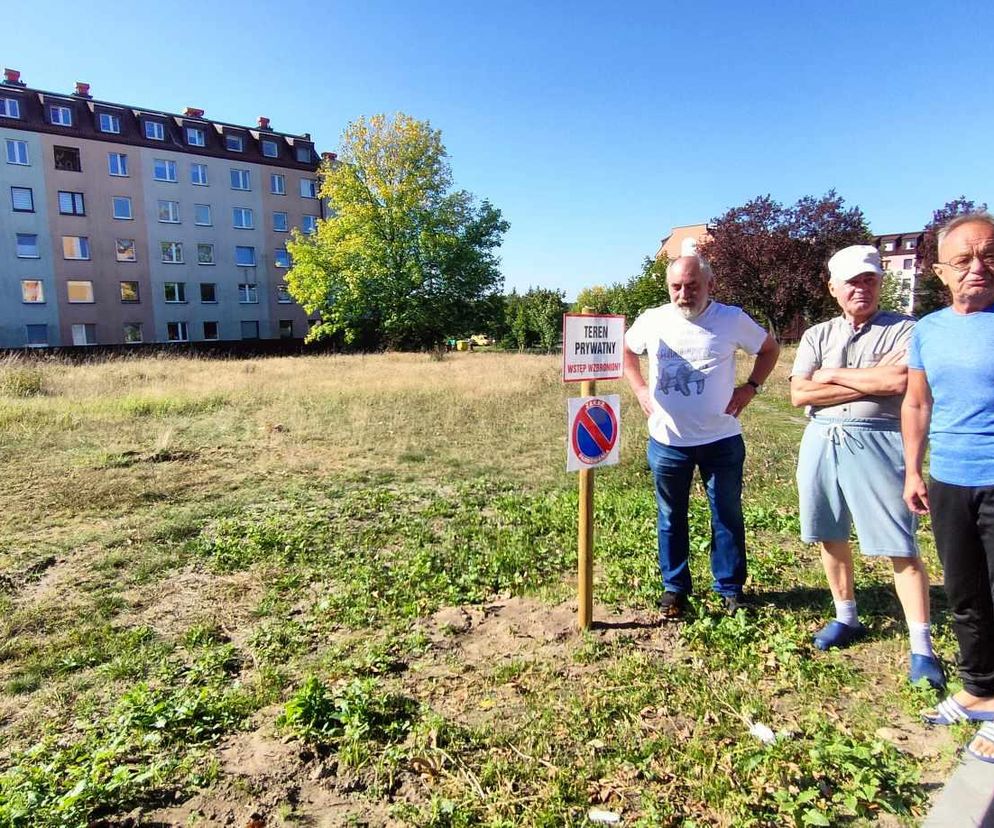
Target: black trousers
(963, 525)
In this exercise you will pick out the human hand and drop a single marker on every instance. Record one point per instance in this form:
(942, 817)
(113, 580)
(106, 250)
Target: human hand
(645, 400)
(915, 493)
(741, 397)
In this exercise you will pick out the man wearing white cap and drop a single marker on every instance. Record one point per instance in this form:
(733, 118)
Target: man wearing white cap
(851, 372)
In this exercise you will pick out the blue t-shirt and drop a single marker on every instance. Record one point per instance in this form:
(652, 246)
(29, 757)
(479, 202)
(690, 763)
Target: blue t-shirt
(956, 352)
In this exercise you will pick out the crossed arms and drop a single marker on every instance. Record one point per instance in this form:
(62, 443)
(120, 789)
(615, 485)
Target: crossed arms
(831, 386)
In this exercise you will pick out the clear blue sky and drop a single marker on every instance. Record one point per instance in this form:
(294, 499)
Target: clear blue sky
(594, 127)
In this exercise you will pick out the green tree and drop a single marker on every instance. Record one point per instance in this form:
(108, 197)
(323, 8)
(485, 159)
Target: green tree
(544, 311)
(890, 294)
(402, 260)
(644, 290)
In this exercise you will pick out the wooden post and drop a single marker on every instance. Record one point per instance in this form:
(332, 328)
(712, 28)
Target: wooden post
(585, 532)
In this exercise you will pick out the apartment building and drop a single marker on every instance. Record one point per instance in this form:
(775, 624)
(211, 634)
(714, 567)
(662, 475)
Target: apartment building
(122, 224)
(899, 254)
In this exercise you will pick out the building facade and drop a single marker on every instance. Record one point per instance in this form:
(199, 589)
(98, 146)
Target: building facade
(900, 257)
(123, 225)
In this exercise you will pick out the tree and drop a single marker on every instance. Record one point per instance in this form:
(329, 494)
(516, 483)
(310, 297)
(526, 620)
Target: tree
(544, 311)
(402, 260)
(645, 290)
(770, 259)
(932, 294)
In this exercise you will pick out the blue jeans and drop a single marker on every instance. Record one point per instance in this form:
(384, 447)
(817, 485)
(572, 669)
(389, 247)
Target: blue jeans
(721, 471)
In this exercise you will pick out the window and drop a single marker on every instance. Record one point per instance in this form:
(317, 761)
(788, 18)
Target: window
(155, 131)
(202, 215)
(172, 252)
(304, 154)
(60, 115)
(909, 245)
(270, 149)
(67, 159)
(75, 247)
(283, 295)
(132, 332)
(242, 218)
(245, 256)
(280, 223)
(27, 246)
(195, 137)
(281, 258)
(163, 170)
(174, 291)
(211, 331)
(909, 263)
(177, 332)
(37, 335)
(17, 151)
(205, 254)
(198, 174)
(32, 291)
(122, 207)
(129, 293)
(248, 294)
(235, 143)
(277, 184)
(85, 334)
(309, 224)
(79, 292)
(71, 204)
(117, 163)
(286, 329)
(250, 329)
(109, 123)
(208, 293)
(308, 188)
(888, 246)
(22, 199)
(10, 108)
(125, 250)
(169, 211)
(240, 179)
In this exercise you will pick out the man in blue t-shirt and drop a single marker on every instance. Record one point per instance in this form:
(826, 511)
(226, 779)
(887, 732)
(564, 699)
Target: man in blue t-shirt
(950, 399)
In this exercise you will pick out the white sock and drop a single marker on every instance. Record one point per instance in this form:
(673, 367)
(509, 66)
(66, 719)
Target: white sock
(845, 612)
(921, 638)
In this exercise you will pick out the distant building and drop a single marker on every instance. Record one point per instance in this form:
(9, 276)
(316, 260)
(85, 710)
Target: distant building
(899, 253)
(123, 224)
(682, 241)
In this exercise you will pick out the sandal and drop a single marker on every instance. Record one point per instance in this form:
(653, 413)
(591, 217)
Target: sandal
(986, 733)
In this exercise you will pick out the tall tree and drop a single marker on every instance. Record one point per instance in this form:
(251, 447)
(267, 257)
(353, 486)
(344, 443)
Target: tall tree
(931, 293)
(644, 290)
(544, 311)
(770, 259)
(402, 259)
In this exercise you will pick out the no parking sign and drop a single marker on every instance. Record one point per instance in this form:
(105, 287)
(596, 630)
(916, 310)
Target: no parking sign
(593, 433)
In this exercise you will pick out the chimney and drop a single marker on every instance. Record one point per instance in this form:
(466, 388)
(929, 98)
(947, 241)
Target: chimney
(82, 90)
(12, 77)
(263, 122)
(193, 112)
(330, 157)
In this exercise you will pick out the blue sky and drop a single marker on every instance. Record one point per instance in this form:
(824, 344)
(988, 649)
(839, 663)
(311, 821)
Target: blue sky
(595, 128)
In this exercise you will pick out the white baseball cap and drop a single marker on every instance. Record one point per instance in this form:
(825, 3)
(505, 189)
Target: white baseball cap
(853, 261)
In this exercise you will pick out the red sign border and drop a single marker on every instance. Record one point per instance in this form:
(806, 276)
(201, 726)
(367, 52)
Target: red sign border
(596, 402)
(624, 326)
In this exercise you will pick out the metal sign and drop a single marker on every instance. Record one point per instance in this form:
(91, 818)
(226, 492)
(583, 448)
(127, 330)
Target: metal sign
(594, 426)
(593, 346)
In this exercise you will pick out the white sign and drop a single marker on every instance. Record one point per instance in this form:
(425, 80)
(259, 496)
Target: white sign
(593, 346)
(594, 425)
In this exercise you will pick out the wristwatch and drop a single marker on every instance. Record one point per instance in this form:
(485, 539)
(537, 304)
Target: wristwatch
(755, 386)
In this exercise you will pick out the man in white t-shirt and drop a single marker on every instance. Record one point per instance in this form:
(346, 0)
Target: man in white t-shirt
(693, 404)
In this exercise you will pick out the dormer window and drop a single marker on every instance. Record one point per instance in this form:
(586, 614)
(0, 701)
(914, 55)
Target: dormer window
(60, 115)
(10, 108)
(304, 154)
(108, 122)
(195, 137)
(155, 131)
(270, 149)
(235, 143)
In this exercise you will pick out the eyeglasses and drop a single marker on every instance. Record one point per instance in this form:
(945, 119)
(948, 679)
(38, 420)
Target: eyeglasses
(961, 264)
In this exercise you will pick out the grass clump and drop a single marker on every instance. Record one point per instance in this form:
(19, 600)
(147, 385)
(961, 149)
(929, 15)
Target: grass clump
(21, 381)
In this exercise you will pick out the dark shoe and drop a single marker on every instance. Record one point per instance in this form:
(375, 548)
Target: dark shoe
(734, 602)
(928, 668)
(837, 634)
(673, 605)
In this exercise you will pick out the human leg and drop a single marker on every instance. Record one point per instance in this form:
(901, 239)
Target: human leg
(672, 471)
(721, 465)
(963, 525)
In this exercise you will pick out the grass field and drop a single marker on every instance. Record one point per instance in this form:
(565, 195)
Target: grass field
(341, 591)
